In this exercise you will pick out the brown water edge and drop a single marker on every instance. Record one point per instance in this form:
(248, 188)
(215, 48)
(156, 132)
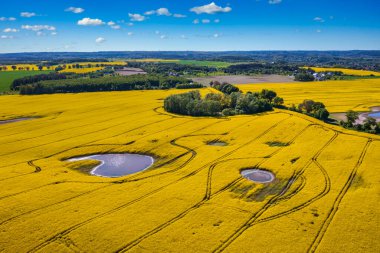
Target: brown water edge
(258, 176)
(15, 120)
(117, 165)
(374, 113)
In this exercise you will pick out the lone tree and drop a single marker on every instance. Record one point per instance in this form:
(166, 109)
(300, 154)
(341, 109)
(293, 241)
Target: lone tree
(351, 117)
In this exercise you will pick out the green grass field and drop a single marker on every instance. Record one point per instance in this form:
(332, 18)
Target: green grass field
(7, 77)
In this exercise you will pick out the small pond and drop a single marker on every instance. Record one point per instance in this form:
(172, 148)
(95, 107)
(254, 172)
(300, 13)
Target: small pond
(217, 143)
(258, 176)
(375, 115)
(117, 165)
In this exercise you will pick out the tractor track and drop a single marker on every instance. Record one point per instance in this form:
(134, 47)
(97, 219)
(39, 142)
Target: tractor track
(326, 223)
(251, 221)
(72, 228)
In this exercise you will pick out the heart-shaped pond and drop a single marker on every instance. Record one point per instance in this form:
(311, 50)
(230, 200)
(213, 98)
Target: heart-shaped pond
(117, 165)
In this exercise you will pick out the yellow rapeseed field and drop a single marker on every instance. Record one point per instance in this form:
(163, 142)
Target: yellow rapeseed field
(338, 96)
(324, 198)
(354, 72)
(84, 65)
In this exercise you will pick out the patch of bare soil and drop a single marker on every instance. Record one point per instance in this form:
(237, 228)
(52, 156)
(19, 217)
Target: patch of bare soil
(243, 79)
(130, 71)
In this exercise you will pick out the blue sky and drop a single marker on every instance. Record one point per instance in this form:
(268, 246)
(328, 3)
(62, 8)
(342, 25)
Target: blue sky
(98, 25)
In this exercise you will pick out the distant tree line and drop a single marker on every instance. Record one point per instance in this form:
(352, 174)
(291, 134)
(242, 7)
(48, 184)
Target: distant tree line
(37, 78)
(171, 68)
(226, 104)
(261, 68)
(109, 83)
(369, 124)
(189, 86)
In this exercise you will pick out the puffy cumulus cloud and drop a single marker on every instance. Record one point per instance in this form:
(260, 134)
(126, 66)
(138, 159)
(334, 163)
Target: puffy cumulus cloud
(136, 17)
(27, 14)
(206, 21)
(10, 30)
(100, 40)
(275, 1)
(75, 10)
(211, 8)
(90, 22)
(37, 28)
(7, 19)
(6, 37)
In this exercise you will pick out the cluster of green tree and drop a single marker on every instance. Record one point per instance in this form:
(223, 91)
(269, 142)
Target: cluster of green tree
(171, 68)
(224, 87)
(214, 104)
(262, 68)
(312, 108)
(369, 124)
(109, 83)
(189, 86)
(304, 77)
(43, 77)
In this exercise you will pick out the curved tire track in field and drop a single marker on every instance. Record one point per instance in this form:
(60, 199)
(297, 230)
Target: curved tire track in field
(78, 225)
(251, 221)
(208, 195)
(326, 223)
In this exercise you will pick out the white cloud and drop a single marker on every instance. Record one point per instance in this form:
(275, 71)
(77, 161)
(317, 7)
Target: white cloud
(113, 25)
(37, 28)
(75, 10)
(211, 8)
(206, 21)
(196, 21)
(10, 30)
(179, 16)
(130, 33)
(148, 13)
(136, 17)
(130, 24)
(163, 37)
(100, 40)
(27, 14)
(4, 37)
(159, 12)
(319, 19)
(7, 19)
(54, 33)
(217, 21)
(216, 35)
(39, 33)
(90, 22)
(275, 1)
(163, 12)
